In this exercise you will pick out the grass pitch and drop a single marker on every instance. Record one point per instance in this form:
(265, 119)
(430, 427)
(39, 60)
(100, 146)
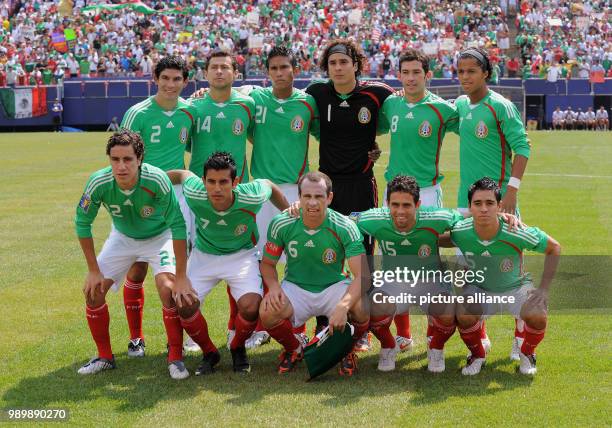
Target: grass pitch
(44, 335)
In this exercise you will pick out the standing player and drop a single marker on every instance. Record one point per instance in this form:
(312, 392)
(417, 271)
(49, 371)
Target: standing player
(490, 246)
(418, 122)
(602, 119)
(408, 228)
(284, 117)
(225, 249)
(316, 243)
(224, 118)
(149, 227)
(348, 110)
(492, 140)
(165, 124)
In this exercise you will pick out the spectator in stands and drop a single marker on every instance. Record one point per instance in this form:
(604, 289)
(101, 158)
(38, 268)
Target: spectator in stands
(554, 72)
(513, 67)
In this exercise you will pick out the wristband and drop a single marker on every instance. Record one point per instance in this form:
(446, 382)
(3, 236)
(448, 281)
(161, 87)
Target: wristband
(514, 182)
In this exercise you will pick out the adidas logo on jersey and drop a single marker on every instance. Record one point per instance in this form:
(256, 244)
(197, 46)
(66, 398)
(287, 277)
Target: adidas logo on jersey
(406, 242)
(222, 223)
(486, 254)
(309, 244)
(344, 104)
(409, 115)
(220, 115)
(279, 110)
(170, 125)
(128, 203)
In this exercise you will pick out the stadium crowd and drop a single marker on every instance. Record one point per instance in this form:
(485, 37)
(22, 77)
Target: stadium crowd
(127, 43)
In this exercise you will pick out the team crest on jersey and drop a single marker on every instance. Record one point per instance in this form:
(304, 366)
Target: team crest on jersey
(364, 116)
(147, 211)
(481, 130)
(329, 256)
(506, 265)
(424, 251)
(297, 124)
(425, 129)
(183, 135)
(85, 202)
(240, 229)
(237, 127)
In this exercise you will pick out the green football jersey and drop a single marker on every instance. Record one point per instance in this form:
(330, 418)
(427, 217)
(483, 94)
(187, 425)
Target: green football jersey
(421, 240)
(226, 232)
(501, 258)
(490, 132)
(315, 258)
(142, 212)
(280, 135)
(222, 127)
(417, 131)
(165, 132)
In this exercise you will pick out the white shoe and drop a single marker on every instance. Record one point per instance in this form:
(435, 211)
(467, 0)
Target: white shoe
(386, 359)
(190, 346)
(96, 365)
(404, 344)
(257, 339)
(136, 348)
(435, 360)
(473, 366)
(302, 338)
(528, 364)
(177, 370)
(516, 349)
(230, 336)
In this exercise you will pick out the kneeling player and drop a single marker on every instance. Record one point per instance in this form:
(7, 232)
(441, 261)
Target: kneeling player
(490, 246)
(148, 227)
(404, 228)
(316, 245)
(225, 248)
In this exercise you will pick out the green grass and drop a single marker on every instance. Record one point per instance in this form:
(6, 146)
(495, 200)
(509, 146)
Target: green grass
(44, 336)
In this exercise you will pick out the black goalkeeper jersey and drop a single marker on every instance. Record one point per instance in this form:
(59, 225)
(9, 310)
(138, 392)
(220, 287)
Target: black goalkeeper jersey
(348, 126)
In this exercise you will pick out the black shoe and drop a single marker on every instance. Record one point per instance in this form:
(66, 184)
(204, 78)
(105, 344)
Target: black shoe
(240, 361)
(209, 361)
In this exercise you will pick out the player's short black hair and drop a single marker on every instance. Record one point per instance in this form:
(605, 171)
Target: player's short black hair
(220, 161)
(173, 62)
(349, 47)
(485, 183)
(406, 184)
(126, 138)
(221, 53)
(414, 55)
(482, 58)
(282, 51)
(315, 177)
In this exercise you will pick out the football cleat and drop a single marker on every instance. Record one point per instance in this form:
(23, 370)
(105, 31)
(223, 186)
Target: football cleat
(364, 344)
(257, 339)
(302, 338)
(288, 360)
(348, 365)
(96, 365)
(516, 349)
(386, 359)
(230, 336)
(404, 343)
(191, 346)
(528, 364)
(240, 362)
(178, 370)
(435, 360)
(473, 366)
(136, 348)
(209, 361)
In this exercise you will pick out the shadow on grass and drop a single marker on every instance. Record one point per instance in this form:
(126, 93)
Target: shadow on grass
(141, 384)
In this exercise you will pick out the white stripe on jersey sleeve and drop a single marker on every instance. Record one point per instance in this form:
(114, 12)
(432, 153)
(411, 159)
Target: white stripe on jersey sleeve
(98, 181)
(279, 224)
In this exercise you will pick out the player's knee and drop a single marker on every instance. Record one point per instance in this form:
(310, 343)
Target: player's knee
(97, 300)
(537, 322)
(380, 309)
(187, 310)
(248, 306)
(446, 320)
(466, 321)
(138, 272)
